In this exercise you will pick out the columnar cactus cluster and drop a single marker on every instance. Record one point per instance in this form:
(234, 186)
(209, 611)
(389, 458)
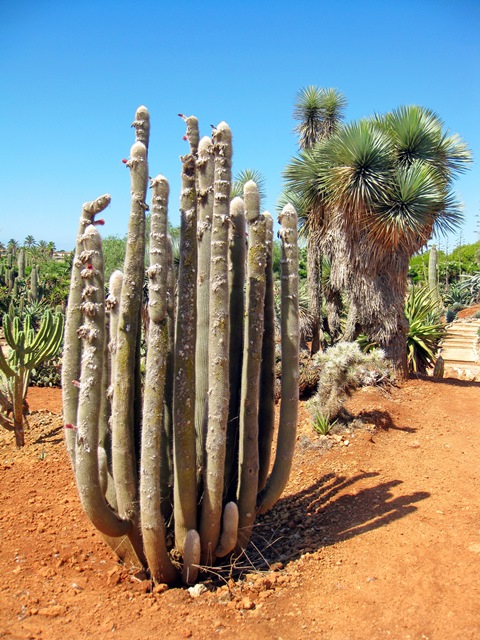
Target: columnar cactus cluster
(27, 349)
(173, 466)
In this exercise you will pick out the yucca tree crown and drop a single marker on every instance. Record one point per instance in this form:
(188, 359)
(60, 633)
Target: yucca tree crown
(391, 174)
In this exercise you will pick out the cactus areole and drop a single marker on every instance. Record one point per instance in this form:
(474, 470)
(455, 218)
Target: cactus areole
(171, 453)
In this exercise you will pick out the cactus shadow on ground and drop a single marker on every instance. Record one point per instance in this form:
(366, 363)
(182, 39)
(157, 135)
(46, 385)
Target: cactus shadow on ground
(317, 516)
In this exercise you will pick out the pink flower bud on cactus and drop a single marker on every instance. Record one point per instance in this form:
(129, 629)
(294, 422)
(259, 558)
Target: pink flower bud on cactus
(124, 160)
(101, 222)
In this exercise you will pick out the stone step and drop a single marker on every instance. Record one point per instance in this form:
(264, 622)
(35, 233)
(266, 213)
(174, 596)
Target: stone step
(458, 342)
(461, 355)
(463, 327)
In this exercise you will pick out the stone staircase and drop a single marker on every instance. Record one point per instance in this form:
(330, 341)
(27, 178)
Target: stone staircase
(460, 349)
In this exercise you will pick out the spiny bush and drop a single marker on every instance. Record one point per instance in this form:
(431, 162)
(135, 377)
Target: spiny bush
(343, 369)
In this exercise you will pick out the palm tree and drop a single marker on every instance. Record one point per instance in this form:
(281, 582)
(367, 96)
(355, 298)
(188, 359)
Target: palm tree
(385, 187)
(12, 245)
(319, 113)
(29, 242)
(43, 249)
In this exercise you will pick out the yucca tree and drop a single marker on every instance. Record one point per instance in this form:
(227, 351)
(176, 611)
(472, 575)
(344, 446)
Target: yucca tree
(385, 187)
(241, 179)
(319, 112)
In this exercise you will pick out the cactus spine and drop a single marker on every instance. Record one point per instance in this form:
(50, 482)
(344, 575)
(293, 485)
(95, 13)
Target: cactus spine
(203, 425)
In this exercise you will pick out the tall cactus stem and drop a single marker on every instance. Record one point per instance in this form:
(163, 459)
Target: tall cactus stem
(290, 351)
(266, 412)
(142, 125)
(124, 394)
(236, 283)
(34, 284)
(432, 273)
(71, 360)
(205, 176)
(21, 263)
(218, 356)
(113, 309)
(166, 443)
(193, 134)
(92, 333)
(153, 528)
(185, 496)
(252, 356)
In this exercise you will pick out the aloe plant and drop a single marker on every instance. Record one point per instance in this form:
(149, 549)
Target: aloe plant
(195, 443)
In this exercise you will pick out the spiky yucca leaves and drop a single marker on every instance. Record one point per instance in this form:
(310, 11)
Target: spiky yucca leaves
(425, 329)
(319, 112)
(384, 185)
(241, 179)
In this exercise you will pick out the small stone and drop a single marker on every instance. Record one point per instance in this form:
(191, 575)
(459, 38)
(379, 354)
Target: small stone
(246, 604)
(51, 612)
(197, 590)
(160, 588)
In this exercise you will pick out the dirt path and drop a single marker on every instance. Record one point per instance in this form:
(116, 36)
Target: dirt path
(377, 538)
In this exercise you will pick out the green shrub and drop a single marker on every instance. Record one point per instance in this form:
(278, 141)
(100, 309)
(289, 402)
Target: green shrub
(425, 329)
(47, 374)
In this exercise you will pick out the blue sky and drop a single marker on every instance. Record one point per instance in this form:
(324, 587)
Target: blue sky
(73, 73)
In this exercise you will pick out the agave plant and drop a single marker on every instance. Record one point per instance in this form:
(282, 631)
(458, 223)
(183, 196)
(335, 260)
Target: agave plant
(470, 288)
(425, 329)
(458, 293)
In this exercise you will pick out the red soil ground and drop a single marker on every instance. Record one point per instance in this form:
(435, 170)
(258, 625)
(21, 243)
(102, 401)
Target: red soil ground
(378, 536)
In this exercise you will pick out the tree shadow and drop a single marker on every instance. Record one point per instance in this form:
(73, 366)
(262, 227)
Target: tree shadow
(382, 420)
(452, 382)
(331, 510)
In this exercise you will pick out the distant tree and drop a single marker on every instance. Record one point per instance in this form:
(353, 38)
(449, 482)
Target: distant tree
(13, 245)
(29, 242)
(114, 249)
